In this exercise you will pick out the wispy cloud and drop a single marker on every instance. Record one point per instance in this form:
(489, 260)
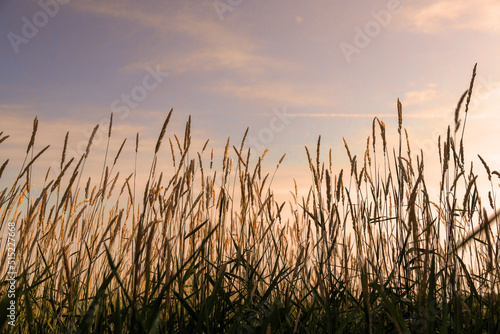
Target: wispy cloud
(439, 16)
(11, 108)
(215, 59)
(163, 19)
(281, 92)
(214, 46)
(419, 96)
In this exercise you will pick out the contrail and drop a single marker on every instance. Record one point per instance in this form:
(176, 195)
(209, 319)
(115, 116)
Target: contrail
(366, 115)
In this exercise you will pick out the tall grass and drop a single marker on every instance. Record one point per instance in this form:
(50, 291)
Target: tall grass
(209, 251)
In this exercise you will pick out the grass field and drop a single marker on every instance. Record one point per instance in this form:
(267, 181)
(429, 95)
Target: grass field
(201, 250)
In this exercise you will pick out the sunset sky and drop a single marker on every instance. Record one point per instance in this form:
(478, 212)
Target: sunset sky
(289, 70)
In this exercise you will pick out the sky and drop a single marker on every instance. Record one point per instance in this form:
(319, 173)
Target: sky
(289, 70)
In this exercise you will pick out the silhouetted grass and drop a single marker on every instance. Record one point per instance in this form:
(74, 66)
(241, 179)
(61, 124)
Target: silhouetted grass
(212, 251)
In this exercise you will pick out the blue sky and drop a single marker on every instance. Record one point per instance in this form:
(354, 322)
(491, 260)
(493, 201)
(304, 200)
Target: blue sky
(237, 64)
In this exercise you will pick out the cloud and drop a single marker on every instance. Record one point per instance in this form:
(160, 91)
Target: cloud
(419, 97)
(11, 107)
(213, 46)
(440, 16)
(124, 10)
(280, 92)
(215, 59)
